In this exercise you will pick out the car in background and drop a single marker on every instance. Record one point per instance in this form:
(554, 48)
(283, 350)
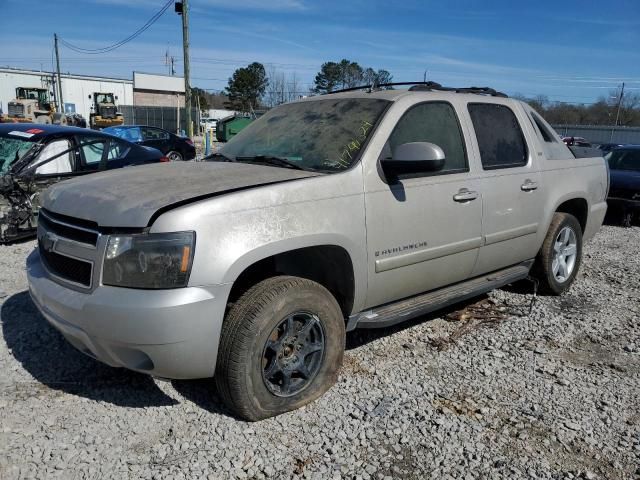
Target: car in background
(607, 147)
(35, 156)
(208, 124)
(624, 190)
(175, 148)
(576, 142)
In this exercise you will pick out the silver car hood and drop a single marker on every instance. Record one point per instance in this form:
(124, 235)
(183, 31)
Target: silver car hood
(130, 197)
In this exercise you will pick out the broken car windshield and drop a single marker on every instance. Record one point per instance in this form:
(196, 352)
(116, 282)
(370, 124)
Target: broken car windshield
(11, 150)
(325, 135)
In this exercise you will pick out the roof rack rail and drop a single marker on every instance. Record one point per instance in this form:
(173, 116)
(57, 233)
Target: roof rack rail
(425, 87)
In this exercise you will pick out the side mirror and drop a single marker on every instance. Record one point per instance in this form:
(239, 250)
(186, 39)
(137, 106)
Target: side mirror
(116, 97)
(89, 96)
(414, 157)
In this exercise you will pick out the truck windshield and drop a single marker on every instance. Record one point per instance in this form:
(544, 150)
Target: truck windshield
(104, 98)
(11, 150)
(624, 160)
(325, 135)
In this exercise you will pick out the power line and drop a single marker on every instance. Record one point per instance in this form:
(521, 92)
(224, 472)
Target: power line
(110, 48)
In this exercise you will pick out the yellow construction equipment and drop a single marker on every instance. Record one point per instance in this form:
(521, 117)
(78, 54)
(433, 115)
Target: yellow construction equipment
(32, 105)
(104, 112)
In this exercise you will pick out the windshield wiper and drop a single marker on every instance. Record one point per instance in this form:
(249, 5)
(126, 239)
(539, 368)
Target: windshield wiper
(270, 160)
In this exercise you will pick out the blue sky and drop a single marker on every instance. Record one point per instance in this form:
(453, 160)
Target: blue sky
(571, 51)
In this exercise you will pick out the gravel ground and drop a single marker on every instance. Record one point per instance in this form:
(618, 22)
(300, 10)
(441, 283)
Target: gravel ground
(494, 392)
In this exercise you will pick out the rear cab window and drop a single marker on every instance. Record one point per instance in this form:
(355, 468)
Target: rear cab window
(500, 138)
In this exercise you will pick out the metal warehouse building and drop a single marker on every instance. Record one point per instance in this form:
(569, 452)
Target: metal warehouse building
(145, 89)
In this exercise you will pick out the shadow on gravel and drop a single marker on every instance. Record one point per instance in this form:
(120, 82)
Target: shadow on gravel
(615, 217)
(203, 393)
(46, 355)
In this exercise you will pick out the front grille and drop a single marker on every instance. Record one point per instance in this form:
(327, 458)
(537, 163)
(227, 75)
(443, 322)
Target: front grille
(16, 109)
(108, 112)
(58, 225)
(67, 268)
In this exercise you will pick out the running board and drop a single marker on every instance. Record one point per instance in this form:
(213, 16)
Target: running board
(398, 312)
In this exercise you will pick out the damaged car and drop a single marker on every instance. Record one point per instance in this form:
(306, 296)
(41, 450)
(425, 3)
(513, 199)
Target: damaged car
(33, 157)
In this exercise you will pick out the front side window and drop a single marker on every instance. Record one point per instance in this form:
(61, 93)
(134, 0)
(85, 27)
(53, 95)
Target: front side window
(12, 150)
(55, 158)
(433, 122)
(499, 135)
(325, 135)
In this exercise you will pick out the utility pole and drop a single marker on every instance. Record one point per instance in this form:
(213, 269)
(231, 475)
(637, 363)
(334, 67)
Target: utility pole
(182, 8)
(59, 92)
(618, 113)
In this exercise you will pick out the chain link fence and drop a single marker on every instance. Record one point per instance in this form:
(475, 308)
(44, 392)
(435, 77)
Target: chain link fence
(162, 117)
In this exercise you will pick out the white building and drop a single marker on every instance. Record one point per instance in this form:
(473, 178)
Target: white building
(145, 88)
(75, 88)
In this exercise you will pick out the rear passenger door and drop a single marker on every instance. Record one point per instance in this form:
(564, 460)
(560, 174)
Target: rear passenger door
(510, 184)
(156, 138)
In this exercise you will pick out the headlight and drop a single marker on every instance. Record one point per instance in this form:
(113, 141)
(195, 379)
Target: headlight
(153, 260)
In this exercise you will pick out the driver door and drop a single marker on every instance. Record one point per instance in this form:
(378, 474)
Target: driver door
(422, 234)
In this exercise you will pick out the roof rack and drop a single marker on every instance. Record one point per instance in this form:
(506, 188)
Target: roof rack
(426, 87)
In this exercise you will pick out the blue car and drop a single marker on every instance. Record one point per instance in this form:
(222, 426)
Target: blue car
(624, 191)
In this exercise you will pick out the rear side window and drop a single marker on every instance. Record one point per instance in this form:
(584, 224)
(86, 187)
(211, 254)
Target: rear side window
(499, 135)
(117, 150)
(92, 148)
(434, 122)
(547, 136)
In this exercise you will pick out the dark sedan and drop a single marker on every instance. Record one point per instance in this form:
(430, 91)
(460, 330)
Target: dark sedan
(174, 147)
(624, 192)
(34, 156)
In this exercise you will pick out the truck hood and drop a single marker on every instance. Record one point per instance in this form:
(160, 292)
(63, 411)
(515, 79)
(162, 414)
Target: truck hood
(130, 197)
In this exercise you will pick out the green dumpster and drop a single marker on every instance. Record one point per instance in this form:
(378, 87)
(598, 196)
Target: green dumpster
(230, 126)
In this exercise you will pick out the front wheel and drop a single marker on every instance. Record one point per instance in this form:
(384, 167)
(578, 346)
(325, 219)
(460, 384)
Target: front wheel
(559, 259)
(174, 156)
(281, 347)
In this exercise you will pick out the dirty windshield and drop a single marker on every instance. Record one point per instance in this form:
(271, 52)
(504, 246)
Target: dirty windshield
(324, 135)
(12, 149)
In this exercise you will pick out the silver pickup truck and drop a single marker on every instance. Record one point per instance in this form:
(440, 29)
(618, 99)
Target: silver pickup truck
(351, 210)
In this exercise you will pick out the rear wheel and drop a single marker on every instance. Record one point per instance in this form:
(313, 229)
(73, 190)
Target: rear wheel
(559, 259)
(174, 156)
(281, 347)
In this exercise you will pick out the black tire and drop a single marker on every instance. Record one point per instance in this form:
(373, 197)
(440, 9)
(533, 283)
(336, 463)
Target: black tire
(251, 325)
(174, 156)
(543, 268)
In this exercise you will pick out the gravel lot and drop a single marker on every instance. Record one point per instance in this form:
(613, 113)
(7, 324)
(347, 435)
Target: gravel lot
(494, 392)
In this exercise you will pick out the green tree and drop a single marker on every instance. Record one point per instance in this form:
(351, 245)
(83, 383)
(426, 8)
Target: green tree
(246, 86)
(371, 77)
(328, 78)
(201, 96)
(347, 74)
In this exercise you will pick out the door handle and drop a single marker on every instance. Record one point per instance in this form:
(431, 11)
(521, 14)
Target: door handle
(465, 195)
(529, 186)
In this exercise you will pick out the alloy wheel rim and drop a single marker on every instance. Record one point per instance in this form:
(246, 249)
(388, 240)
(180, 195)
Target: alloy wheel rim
(565, 252)
(292, 354)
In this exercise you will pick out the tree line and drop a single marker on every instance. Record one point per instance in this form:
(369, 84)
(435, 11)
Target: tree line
(603, 112)
(255, 87)
(252, 87)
